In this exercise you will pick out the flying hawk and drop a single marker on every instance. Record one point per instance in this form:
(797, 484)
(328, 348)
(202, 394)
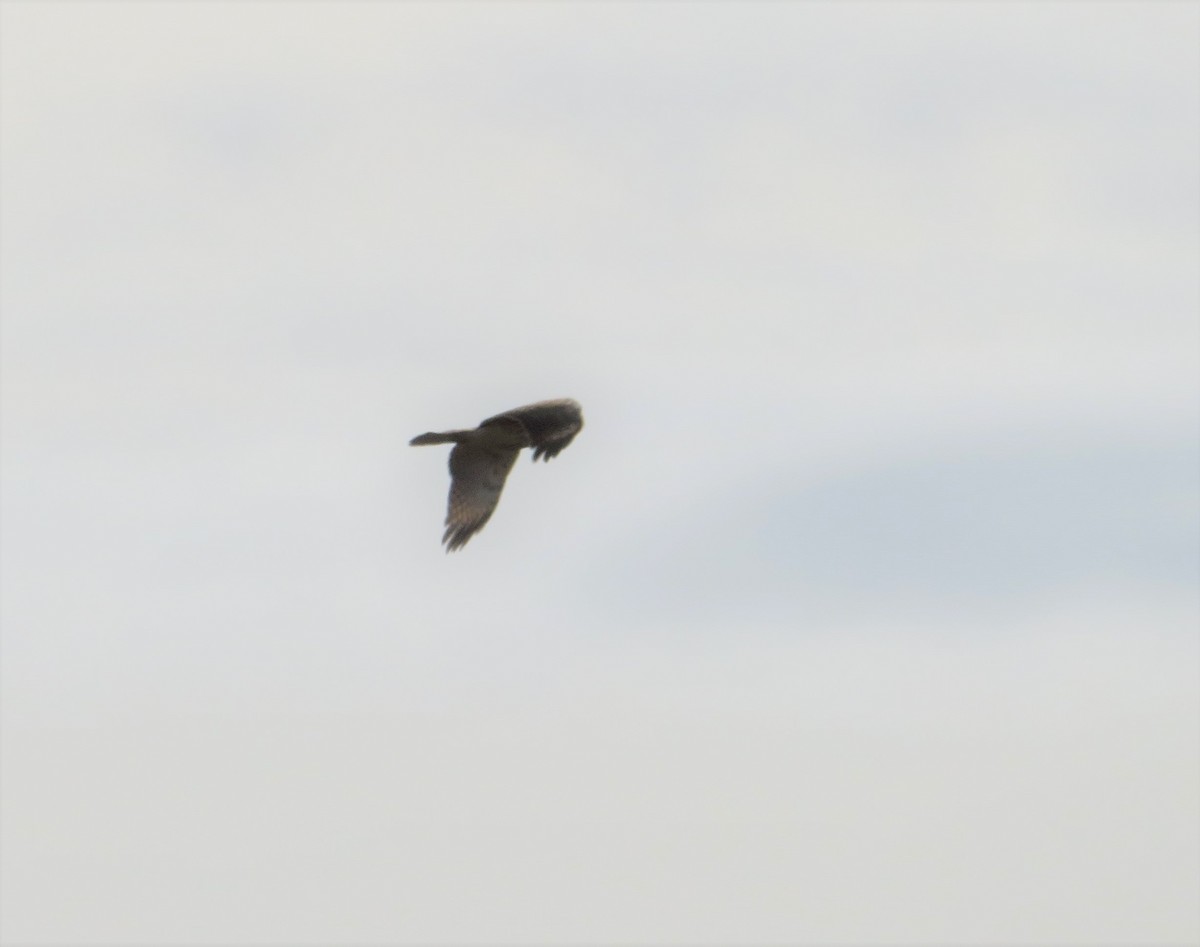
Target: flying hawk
(482, 458)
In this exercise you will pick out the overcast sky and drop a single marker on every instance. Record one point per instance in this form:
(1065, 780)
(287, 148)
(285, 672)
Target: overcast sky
(863, 610)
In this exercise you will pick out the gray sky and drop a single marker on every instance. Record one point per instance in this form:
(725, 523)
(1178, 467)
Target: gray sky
(864, 608)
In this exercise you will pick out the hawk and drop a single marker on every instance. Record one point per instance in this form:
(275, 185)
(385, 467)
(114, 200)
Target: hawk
(482, 458)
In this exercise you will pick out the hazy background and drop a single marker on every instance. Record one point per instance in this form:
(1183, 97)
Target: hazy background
(863, 610)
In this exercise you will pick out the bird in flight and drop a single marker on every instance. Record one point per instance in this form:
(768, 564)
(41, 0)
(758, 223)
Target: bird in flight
(483, 456)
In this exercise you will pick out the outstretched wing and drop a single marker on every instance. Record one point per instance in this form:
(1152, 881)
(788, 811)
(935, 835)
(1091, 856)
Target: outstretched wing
(551, 425)
(477, 475)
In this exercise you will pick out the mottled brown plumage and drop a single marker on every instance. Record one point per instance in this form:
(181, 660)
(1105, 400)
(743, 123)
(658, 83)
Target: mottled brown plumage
(483, 456)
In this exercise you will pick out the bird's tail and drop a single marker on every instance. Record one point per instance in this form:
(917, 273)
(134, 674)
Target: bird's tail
(446, 437)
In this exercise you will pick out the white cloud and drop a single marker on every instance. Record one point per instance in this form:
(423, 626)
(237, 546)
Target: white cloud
(850, 788)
